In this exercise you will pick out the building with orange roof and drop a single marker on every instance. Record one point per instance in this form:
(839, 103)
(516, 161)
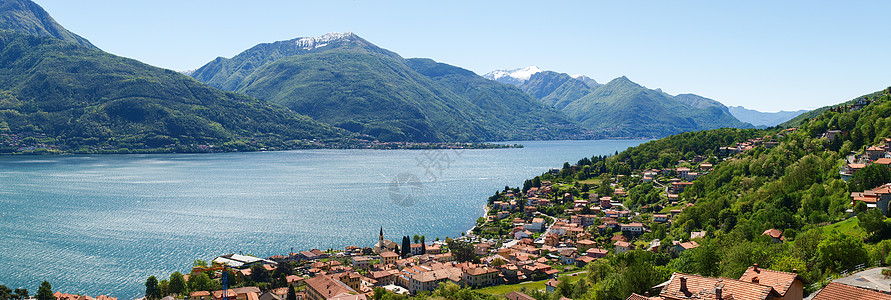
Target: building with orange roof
(324, 287)
(389, 257)
(788, 285)
(834, 291)
(690, 286)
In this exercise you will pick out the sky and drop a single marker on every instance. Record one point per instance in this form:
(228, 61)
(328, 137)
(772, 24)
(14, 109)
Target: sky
(764, 55)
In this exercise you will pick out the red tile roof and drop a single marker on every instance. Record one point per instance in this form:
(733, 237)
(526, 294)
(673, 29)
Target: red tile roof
(705, 287)
(779, 281)
(836, 290)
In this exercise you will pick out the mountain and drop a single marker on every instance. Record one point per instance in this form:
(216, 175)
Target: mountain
(557, 89)
(56, 94)
(26, 17)
(766, 119)
(499, 101)
(622, 108)
(346, 81)
(514, 76)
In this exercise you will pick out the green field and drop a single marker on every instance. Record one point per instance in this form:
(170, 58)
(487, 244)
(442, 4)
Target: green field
(850, 226)
(529, 285)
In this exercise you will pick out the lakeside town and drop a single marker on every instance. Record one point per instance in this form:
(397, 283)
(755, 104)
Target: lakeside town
(548, 238)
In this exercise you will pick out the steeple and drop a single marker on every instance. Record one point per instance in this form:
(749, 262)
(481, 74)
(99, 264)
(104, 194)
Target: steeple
(380, 237)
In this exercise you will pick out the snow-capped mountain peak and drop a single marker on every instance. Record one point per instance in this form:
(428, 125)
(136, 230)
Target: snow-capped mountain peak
(308, 43)
(521, 74)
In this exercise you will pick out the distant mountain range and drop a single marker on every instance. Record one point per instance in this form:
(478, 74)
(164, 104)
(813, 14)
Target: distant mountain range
(619, 108)
(59, 91)
(766, 119)
(349, 82)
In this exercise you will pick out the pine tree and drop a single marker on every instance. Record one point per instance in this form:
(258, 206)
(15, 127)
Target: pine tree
(406, 246)
(292, 295)
(45, 292)
(151, 288)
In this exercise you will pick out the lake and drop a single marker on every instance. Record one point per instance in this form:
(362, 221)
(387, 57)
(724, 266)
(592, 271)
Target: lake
(101, 224)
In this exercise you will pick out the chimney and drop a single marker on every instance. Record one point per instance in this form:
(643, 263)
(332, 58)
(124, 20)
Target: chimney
(719, 289)
(795, 271)
(684, 284)
(756, 267)
(755, 280)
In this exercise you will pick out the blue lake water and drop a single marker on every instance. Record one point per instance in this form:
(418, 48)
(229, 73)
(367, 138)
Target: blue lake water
(101, 224)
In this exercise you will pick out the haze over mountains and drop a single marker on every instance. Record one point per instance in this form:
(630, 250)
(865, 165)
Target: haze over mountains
(61, 88)
(767, 119)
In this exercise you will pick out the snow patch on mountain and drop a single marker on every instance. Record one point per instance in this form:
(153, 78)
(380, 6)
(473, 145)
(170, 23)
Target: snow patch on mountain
(521, 74)
(309, 43)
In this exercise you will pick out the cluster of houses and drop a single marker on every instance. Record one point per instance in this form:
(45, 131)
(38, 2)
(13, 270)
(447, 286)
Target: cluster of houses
(876, 154)
(65, 296)
(755, 284)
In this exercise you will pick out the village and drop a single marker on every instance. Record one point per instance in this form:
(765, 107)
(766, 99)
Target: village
(545, 232)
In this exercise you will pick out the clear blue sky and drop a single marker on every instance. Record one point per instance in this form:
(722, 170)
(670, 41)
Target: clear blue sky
(766, 55)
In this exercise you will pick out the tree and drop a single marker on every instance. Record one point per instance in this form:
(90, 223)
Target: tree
(406, 247)
(199, 263)
(5, 293)
(152, 292)
(177, 283)
(292, 295)
(45, 292)
(260, 274)
(462, 251)
(840, 252)
(202, 282)
(21, 294)
(869, 177)
(416, 238)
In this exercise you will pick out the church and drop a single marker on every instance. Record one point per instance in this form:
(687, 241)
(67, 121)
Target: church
(384, 245)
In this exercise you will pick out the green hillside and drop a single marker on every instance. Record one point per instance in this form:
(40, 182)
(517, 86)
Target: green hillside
(792, 186)
(622, 108)
(556, 89)
(343, 80)
(504, 105)
(26, 17)
(60, 95)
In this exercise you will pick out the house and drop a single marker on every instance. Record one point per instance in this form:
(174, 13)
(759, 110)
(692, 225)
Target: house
(775, 234)
(682, 172)
(835, 290)
(596, 253)
(429, 277)
(606, 202)
(678, 187)
(660, 218)
(522, 234)
(875, 152)
(389, 258)
(480, 276)
(242, 293)
(503, 214)
(361, 262)
(632, 228)
(680, 247)
(788, 285)
(622, 247)
(434, 249)
(481, 248)
(417, 249)
(518, 296)
(323, 287)
(584, 245)
(568, 257)
(551, 285)
(537, 225)
(690, 286)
